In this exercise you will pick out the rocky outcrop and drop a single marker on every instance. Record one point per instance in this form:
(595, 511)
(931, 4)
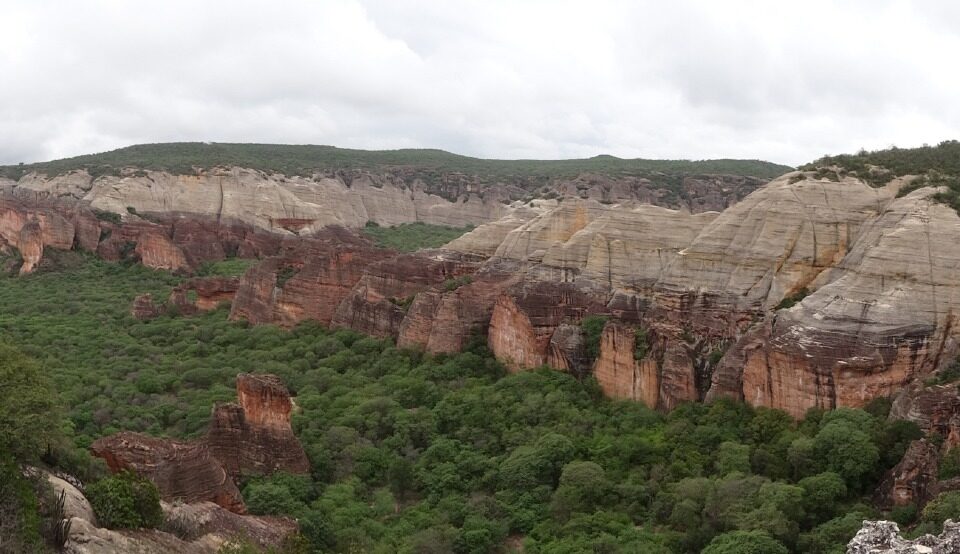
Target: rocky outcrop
(525, 318)
(883, 537)
(378, 303)
(253, 437)
(202, 528)
(145, 308)
(185, 471)
(444, 321)
(308, 280)
(878, 320)
(30, 244)
(913, 480)
(935, 408)
(202, 294)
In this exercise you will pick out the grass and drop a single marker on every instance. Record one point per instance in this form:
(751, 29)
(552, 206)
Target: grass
(410, 237)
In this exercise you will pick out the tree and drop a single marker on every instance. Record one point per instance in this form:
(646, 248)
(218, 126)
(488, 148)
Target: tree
(583, 487)
(822, 494)
(745, 542)
(846, 450)
(125, 501)
(29, 411)
(732, 457)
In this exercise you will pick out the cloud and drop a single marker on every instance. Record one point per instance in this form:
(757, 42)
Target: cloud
(781, 81)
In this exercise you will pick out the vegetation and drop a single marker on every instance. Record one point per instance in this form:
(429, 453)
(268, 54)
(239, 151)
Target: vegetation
(934, 165)
(414, 453)
(125, 501)
(592, 328)
(792, 300)
(641, 344)
(231, 267)
(409, 237)
(426, 164)
(453, 284)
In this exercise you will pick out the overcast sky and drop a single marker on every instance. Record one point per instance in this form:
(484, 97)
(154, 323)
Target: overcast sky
(786, 82)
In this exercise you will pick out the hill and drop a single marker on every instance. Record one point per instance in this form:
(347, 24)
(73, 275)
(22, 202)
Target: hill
(183, 157)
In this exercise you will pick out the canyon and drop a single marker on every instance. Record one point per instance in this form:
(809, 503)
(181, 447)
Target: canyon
(808, 292)
(813, 290)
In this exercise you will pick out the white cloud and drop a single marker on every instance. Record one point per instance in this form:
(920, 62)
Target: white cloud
(784, 81)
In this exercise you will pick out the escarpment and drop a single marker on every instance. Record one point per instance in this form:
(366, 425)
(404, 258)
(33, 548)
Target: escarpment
(815, 290)
(252, 437)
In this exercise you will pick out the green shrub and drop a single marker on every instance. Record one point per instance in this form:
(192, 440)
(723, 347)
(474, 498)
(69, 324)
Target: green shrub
(592, 328)
(792, 300)
(125, 501)
(641, 344)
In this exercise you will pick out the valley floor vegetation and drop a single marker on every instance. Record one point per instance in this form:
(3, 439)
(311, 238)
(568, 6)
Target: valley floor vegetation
(424, 454)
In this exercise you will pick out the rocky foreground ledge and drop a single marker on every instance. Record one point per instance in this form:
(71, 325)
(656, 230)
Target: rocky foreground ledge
(883, 537)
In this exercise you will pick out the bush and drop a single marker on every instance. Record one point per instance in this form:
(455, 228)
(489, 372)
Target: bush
(745, 542)
(641, 344)
(592, 329)
(125, 501)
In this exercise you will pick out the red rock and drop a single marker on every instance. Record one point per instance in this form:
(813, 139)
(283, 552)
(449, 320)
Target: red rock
(30, 244)
(617, 371)
(144, 308)
(378, 303)
(253, 437)
(913, 480)
(157, 251)
(443, 321)
(185, 471)
(525, 318)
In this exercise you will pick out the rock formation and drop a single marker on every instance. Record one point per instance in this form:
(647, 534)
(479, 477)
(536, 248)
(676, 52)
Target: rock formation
(253, 437)
(184, 471)
(202, 528)
(913, 480)
(883, 537)
(145, 308)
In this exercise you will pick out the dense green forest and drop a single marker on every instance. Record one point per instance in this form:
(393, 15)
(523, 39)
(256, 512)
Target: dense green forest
(422, 454)
(182, 157)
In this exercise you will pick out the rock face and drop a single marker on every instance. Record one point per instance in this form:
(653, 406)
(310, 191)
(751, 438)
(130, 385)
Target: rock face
(185, 471)
(378, 303)
(913, 480)
(301, 205)
(883, 537)
(308, 280)
(618, 371)
(253, 437)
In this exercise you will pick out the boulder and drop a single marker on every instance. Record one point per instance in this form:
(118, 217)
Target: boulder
(883, 537)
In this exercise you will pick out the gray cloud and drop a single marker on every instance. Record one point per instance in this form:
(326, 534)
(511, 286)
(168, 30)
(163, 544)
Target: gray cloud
(781, 81)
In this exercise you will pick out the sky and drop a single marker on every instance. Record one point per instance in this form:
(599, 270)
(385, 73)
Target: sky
(786, 82)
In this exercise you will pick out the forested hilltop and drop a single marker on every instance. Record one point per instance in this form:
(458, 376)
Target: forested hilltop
(416, 453)
(184, 157)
